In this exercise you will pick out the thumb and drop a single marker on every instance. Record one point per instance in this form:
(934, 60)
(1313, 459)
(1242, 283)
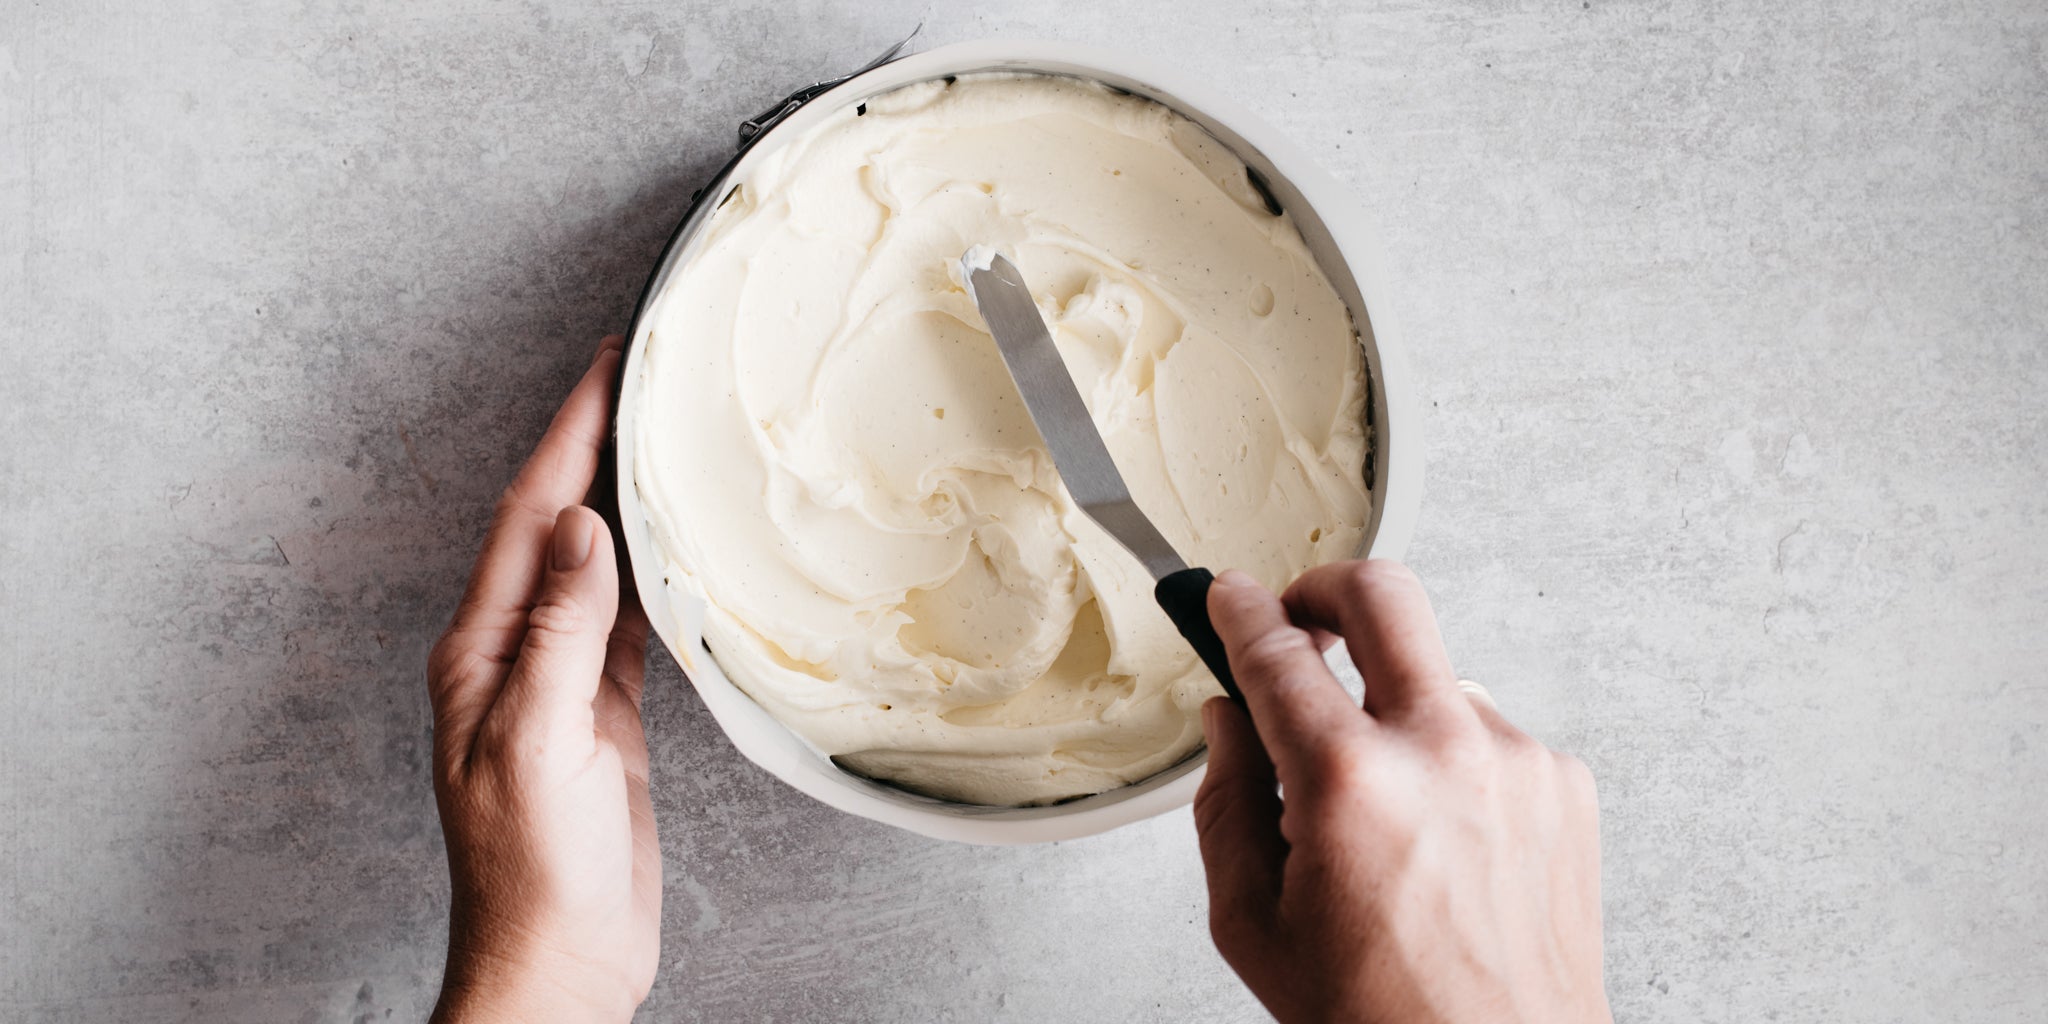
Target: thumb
(1237, 819)
(561, 661)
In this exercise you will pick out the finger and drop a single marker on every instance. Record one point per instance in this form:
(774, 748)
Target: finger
(617, 710)
(625, 658)
(618, 696)
(1384, 616)
(554, 684)
(1298, 707)
(557, 476)
(619, 723)
(1324, 638)
(473, 658)
(646, 847)
(1237, 822)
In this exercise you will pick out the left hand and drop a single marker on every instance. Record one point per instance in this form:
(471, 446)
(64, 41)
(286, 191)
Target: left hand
(540, 764)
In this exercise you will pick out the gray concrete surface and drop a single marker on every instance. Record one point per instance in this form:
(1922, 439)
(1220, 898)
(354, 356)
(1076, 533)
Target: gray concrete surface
(1729, 315)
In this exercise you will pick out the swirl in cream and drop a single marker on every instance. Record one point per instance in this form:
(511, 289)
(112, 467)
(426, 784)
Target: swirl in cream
(833, 458)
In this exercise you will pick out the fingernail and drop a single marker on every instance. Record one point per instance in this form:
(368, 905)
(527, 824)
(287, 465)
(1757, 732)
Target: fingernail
(1212, 709)
(573, 540)
(1235, 578)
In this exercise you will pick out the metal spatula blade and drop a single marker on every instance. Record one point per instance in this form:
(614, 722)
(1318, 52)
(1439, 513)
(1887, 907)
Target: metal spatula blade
(1084, 462)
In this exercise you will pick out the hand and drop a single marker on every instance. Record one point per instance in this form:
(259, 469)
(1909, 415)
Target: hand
(540, 765)
(1429, 863)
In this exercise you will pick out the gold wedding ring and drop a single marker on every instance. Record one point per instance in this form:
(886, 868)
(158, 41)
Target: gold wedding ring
(1477, 692)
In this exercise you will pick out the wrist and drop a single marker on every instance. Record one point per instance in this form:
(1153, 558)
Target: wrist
(480, 987)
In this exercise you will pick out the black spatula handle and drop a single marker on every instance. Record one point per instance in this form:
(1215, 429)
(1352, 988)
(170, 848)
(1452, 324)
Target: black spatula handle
(1185, 596)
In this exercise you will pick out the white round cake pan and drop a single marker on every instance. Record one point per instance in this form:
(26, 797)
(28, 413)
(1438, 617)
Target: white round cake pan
(1336, 231)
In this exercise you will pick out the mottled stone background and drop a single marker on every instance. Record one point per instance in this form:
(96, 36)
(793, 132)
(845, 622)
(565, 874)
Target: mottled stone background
(1729, 320)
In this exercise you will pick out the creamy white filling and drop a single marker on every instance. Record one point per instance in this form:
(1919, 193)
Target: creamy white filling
(833, 457)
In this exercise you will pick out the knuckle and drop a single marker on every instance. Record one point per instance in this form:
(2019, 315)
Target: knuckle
(451, 764)
(1578, 778)
(1460, 747)
(1461, 760)
(513, 503)
(1520, 748)
(1391, 571)
(1343, 769)
(455, 750)
(1379, 576)
(1214, 803)
(1231, 931)
(452, 664)
(558, 615)
(445, 653)
(1275, 653)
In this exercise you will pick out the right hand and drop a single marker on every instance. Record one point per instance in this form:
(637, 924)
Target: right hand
(1430, 863)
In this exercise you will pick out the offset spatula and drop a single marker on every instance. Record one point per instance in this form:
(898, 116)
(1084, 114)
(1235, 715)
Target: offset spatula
(999, 291)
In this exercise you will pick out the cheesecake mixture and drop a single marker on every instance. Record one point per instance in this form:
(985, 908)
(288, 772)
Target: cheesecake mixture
(834, 460)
